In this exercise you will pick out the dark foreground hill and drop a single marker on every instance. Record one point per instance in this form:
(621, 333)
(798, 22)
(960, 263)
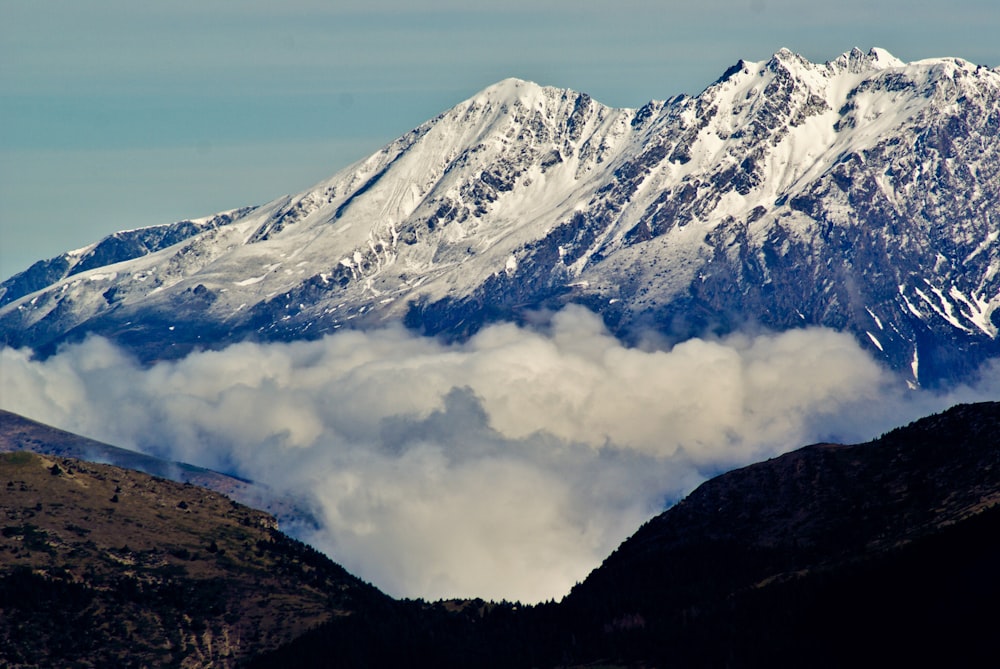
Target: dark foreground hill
(878, 554)
(106, 567)
(882, 554)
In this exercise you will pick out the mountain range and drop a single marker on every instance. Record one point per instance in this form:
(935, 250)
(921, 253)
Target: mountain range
(860, 194)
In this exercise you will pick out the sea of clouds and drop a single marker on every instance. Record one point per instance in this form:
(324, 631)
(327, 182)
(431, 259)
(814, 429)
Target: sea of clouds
(504, 467)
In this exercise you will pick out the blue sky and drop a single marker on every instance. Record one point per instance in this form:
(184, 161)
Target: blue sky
(116, 115)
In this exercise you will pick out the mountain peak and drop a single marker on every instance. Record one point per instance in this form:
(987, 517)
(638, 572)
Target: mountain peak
(787, 57)
(508, 90)
(882, 57)
(855, 60)
(858, 61)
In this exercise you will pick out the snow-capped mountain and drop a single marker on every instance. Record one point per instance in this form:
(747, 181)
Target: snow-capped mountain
(861, 194)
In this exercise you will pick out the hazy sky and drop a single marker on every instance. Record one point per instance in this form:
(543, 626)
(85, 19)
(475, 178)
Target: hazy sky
(117, 114)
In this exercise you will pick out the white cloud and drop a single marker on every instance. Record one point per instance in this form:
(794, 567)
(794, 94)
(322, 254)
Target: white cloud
(505, 467)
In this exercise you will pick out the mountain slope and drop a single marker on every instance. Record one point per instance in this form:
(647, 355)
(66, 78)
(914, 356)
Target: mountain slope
(860, 194)
(102, 566)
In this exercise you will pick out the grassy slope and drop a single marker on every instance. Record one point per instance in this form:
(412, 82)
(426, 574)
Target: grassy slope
(102, 566)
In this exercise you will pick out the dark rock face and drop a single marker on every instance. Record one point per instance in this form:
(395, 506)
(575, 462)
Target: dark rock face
(860, 194)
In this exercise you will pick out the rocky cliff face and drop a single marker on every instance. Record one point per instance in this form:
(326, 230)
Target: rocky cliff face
(861, 194)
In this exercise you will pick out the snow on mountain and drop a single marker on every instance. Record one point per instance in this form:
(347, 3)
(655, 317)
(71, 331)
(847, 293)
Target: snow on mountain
(860, 194)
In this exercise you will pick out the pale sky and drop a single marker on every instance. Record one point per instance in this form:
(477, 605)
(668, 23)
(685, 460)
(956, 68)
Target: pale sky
(116, 115)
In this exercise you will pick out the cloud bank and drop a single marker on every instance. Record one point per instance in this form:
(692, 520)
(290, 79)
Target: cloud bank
(505, 467)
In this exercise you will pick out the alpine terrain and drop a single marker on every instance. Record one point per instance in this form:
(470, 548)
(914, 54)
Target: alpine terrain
(861, 194)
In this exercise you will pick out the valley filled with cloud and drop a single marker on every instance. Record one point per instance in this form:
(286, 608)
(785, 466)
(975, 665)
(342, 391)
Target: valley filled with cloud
(504, 467)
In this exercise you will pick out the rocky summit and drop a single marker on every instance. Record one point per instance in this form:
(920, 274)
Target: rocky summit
(861, 194)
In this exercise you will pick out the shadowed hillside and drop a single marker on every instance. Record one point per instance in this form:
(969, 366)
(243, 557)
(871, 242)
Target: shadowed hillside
(865, 554)
(878, 554)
